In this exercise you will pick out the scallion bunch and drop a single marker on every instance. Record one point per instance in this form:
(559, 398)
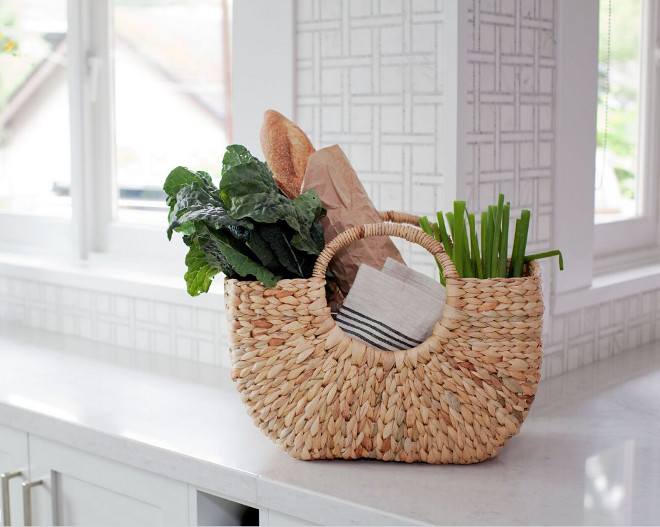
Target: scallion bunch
(487, 259)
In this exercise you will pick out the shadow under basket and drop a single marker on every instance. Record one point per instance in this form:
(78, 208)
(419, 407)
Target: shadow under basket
(319, 394)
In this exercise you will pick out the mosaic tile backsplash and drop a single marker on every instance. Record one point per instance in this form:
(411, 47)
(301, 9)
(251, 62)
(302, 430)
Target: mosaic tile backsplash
(370, 78)
(135, 322)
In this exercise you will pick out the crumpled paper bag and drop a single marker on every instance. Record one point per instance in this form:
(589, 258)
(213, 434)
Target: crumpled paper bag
(331, 174)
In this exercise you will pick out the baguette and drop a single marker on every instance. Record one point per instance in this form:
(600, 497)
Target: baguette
(286, 149)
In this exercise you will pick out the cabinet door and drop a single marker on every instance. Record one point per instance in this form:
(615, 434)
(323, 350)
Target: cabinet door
(84, 489)
(13, 460)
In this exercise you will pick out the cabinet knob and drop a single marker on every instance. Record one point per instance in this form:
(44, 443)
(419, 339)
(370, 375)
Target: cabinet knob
(27, 500)
(4, 484)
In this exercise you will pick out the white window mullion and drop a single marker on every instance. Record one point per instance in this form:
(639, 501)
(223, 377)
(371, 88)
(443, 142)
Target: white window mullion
(647, 164)
(103, 201)
(78, 45)
(260, 64)
(652, 118)
(91, 123)
(575, 141)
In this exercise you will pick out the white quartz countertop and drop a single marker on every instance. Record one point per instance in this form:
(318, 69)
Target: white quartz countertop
(587, 454)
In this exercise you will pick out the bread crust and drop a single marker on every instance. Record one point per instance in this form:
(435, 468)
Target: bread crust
(286, 149)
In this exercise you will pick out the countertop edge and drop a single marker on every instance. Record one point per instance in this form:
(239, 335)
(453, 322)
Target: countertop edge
(197, 472)
(206, 476)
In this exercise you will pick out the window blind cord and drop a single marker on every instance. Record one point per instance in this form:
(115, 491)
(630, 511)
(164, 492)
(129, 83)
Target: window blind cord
(607, 94)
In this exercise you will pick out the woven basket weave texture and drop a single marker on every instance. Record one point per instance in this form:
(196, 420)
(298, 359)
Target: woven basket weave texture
(319, 394)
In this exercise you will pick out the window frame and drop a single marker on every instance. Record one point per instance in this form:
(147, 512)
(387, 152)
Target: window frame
(92, 231)
(640, 231)
(92, 129)
(594, 277)
(91, 251)
(101, 235)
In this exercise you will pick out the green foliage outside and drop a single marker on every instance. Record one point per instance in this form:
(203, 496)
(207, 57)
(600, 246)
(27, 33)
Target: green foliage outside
(21, 51)
(11, 73)
(624, 78)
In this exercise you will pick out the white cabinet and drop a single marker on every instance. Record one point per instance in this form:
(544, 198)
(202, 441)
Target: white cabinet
(84, 489)
(14, 470)
(65, 486)
(48, 483)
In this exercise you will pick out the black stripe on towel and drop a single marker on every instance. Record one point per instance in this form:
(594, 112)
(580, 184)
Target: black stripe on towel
(343, 320)
(361, 333)
(408, 341)
(385, 326)
(375, 332)
(358, 335)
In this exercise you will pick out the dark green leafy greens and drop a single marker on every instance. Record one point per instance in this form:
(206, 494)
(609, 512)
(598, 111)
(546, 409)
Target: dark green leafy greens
(249, 191)
(247, 228)
(195, 204)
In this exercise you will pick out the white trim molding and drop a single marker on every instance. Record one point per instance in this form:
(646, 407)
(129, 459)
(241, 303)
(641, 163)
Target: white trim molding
(454, 142)
(263, 66)
(612, 286)
(575, 141)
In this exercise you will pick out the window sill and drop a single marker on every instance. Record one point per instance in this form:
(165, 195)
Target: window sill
(112, 275)
(612, 285)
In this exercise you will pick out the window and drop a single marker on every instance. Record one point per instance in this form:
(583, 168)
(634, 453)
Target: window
(171, 97)
(100, 102)
(35, 169)
(625, 210)
(619, 61)
(610, 259)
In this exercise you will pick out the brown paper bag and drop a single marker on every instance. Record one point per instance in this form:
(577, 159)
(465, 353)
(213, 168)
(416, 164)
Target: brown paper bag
(331, 174)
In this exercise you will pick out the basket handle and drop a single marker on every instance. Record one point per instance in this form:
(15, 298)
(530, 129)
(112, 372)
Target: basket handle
(399, 217)
(407, 232)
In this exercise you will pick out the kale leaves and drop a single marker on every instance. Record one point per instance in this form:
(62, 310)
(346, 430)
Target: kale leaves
(247, 228)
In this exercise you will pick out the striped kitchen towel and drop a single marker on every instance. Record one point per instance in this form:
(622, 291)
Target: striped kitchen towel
(393, 309)
(418, 280)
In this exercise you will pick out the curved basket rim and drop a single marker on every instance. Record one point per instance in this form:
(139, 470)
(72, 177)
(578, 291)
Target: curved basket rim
(390, 357)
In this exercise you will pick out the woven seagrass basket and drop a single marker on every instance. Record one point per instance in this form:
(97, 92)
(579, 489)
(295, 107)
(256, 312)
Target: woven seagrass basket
(319, 394)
